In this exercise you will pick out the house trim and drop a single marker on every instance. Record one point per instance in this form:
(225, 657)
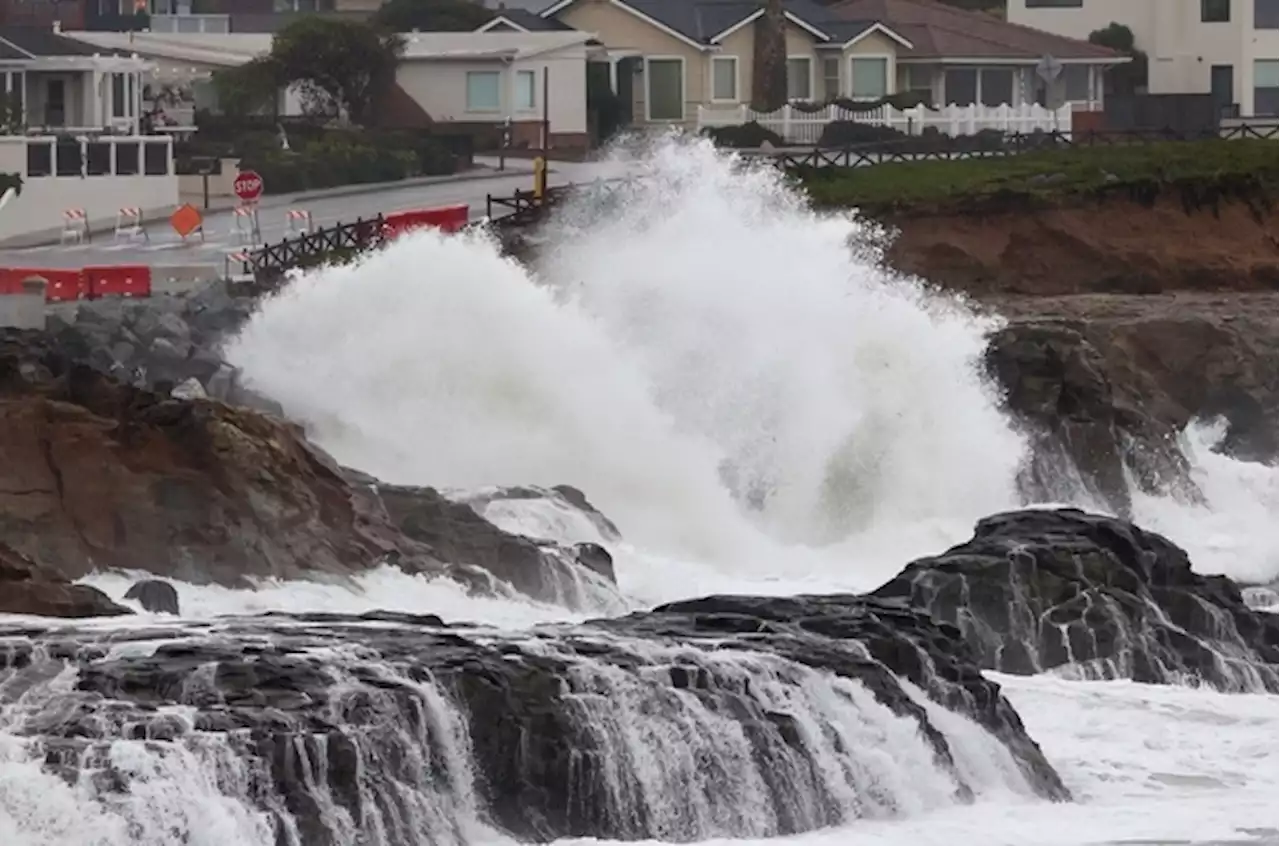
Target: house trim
(653, 22)
(1026, 62)
(737, 79)
(501, 19)
(759, 13)
(684, 89)
(883, 30)
(890, 73)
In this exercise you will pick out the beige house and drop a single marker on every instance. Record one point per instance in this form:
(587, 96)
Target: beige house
(670, 57)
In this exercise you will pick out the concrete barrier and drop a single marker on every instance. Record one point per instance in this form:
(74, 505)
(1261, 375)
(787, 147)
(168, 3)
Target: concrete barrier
(25, 309)
(182, 278)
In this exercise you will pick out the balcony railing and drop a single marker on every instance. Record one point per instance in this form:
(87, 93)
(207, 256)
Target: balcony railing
(190, 23)
(122, 155)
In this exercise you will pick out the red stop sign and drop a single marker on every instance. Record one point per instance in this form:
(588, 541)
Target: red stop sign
(248, 185)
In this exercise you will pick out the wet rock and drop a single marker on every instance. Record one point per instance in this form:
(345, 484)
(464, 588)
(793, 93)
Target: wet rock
(1092, 596)
(101, 475)
(154, 595)
(769, 716)
(457, 533)
(27, 588)
(1057, 384)
(189, 389)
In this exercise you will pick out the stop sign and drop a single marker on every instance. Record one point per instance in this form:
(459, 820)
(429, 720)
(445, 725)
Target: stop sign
(248, 186)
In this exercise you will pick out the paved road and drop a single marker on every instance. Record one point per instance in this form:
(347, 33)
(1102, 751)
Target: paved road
(166, 248)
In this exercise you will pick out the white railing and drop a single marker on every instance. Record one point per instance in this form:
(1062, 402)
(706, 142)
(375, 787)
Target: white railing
(190, 23)
(805, 127)
(106, 155)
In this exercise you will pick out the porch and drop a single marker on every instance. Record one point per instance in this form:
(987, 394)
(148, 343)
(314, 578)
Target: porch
(75, 94)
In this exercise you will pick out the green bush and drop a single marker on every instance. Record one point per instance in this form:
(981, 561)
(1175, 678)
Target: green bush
(331, 162)
(747, 136)
(1201, 172)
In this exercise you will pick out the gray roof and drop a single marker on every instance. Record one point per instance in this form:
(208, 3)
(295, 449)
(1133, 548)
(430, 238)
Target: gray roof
(531, 21)
(702, 20)
(31, 42)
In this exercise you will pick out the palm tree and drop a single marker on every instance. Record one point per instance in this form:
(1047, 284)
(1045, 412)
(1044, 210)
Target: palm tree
(769, 67)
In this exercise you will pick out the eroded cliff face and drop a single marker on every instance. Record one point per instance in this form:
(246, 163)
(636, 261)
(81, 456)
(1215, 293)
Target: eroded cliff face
(1125, 323)
(1115, 246)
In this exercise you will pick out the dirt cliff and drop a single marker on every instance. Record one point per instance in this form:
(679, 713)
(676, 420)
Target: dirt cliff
(1111, 247)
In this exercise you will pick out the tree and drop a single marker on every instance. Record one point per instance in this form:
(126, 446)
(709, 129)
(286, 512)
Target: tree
(249, 88)
(769, 64)
(340, 66)
(1130, 76)
(432, 15)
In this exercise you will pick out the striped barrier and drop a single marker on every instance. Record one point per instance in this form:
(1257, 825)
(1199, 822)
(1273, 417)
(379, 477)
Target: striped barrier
(75, 225)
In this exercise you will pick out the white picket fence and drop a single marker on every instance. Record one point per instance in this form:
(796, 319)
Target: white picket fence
(801, 127)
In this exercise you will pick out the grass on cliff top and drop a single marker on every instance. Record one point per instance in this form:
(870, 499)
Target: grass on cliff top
(1214, 166)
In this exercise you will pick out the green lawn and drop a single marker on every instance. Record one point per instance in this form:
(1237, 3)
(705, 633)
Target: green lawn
(1205, 169)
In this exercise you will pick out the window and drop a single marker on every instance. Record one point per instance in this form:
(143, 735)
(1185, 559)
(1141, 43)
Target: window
(1075, 82)
(1266, 14)
(724, 78)
(1055, 4)
(982, 86)
(800, 79)
(484, 91)
(526, 85)
(917, 79)
(1266, 86)
(830, 78)
(962, 86)
(868, 78)
(664, 88)
(995, 86)
(1215, 11)
(117, 95)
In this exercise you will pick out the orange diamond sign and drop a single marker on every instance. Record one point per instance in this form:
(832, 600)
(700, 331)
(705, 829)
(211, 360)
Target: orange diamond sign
(186, 219)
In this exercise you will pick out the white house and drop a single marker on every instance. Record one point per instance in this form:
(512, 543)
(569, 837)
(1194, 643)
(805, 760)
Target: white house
(73, 135)
(473, 77)
(1223, 47)
(483, 77)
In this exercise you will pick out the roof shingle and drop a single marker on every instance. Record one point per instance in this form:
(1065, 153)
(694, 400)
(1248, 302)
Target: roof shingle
(937, 30)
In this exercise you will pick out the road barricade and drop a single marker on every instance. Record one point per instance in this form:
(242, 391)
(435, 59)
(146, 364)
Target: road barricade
(64, 285)
(446, 218)
(118, 281)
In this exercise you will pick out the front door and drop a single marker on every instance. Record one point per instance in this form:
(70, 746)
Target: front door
(55, 103)
(1222, 88)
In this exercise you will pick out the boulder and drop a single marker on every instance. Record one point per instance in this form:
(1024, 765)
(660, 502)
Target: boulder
(725, 717)
(1095, 597)
(101, 475)
(1056, 383)
(27, 588)
(154, 595)
(544, 570)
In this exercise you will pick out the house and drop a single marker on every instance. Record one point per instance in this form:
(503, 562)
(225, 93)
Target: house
(74, 134)
(672, 57)
(178, 16)
(443, 77)
(63, 85)
(1227, 48)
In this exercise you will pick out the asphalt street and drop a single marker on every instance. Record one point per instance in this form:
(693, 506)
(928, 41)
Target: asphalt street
(164, 247)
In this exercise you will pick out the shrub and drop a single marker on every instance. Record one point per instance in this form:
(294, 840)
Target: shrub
(747, 136)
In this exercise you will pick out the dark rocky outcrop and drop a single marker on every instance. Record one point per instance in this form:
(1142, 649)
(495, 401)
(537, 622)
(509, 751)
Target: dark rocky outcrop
(1056, 384)
(99, 475)
(1093, 596)
(27, 589)
(154, 595)
(579, 576)
(726, 716)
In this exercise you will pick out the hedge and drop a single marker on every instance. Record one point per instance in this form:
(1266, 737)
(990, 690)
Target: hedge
(1201, 172)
